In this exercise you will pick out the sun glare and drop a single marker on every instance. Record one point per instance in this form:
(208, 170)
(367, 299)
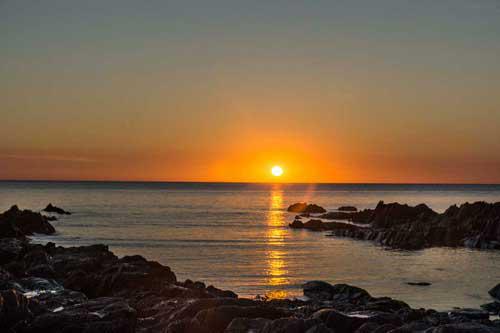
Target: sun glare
(277, 171)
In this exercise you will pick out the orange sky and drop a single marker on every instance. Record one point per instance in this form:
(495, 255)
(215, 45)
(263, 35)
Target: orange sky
(332, 92)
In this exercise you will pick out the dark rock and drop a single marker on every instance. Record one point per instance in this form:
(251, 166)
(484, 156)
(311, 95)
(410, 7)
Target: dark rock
(318, 290)
(18, 223)
(303, 207)
(420, 284)
(401, 226)
(346, 293)
(337, 216)
(492, 308)
(323, 291)
(290, 325)
(218, 318)
(108, 314)
(244, 325)
(348, 209)
(54, 209)
(10, 248)
(468, 327)
(495, 291)
(474, 314)
(14, 309)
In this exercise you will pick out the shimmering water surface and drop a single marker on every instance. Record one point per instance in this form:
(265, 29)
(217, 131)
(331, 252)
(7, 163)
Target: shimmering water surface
(236, 236)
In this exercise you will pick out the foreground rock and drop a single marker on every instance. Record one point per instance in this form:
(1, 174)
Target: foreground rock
(54, 209)
(46, 288)
(474, 225)
(303, 207)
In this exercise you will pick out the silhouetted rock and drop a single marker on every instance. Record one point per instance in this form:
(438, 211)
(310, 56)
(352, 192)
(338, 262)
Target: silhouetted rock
(495, 291)
(347, 209)
(54, 209)
(303, 207)
(18, 223)
(420, 284)
(401, 226)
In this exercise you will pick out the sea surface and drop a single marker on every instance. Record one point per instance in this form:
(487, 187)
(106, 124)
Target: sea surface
(236, 236)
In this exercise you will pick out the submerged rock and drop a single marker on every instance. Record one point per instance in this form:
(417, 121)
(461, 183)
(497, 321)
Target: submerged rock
(303, 207)
(420, 284)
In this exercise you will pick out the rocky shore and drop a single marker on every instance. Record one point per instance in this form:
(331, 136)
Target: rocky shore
(475, 225)
(46, 288)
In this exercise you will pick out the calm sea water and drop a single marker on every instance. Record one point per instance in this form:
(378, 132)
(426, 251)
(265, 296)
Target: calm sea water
(236, 236)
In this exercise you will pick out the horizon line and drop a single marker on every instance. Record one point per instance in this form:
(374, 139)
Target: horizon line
(230, 182)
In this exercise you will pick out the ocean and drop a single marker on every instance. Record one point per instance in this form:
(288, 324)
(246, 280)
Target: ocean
(236, 236)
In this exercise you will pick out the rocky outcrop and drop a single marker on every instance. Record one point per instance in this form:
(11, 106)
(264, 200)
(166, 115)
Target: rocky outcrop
(474, 225)
(54, 209)
(16, 223)
(303, 207)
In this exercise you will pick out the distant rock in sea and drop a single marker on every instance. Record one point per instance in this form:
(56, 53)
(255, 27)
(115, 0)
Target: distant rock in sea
(395, 225)
(303, 207)
(54, 209)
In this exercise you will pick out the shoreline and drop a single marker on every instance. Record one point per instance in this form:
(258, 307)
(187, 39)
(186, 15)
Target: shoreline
(88, 288)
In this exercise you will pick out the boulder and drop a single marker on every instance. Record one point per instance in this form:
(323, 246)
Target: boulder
(303, 207)
(54, 209)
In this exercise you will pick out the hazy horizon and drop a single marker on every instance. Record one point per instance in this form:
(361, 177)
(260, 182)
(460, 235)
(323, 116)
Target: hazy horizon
(332, 91)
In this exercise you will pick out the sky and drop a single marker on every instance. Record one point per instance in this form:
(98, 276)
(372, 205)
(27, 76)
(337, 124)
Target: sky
(333, 91)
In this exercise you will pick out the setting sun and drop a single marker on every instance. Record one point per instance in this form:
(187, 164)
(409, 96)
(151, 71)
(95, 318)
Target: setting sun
(277, 171)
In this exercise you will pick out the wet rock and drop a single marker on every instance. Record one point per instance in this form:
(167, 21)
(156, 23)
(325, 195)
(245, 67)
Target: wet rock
(303, 207)
(347, 209)
(54, 209)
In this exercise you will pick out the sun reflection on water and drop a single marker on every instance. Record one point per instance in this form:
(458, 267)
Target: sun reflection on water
(276, 254)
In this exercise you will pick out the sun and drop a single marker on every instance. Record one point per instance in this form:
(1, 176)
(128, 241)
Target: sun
(277, 170)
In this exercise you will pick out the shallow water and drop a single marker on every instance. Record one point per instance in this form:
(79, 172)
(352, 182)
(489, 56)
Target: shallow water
(236, 236)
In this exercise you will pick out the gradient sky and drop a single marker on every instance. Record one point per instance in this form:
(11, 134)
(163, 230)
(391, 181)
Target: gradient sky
(334, 91)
